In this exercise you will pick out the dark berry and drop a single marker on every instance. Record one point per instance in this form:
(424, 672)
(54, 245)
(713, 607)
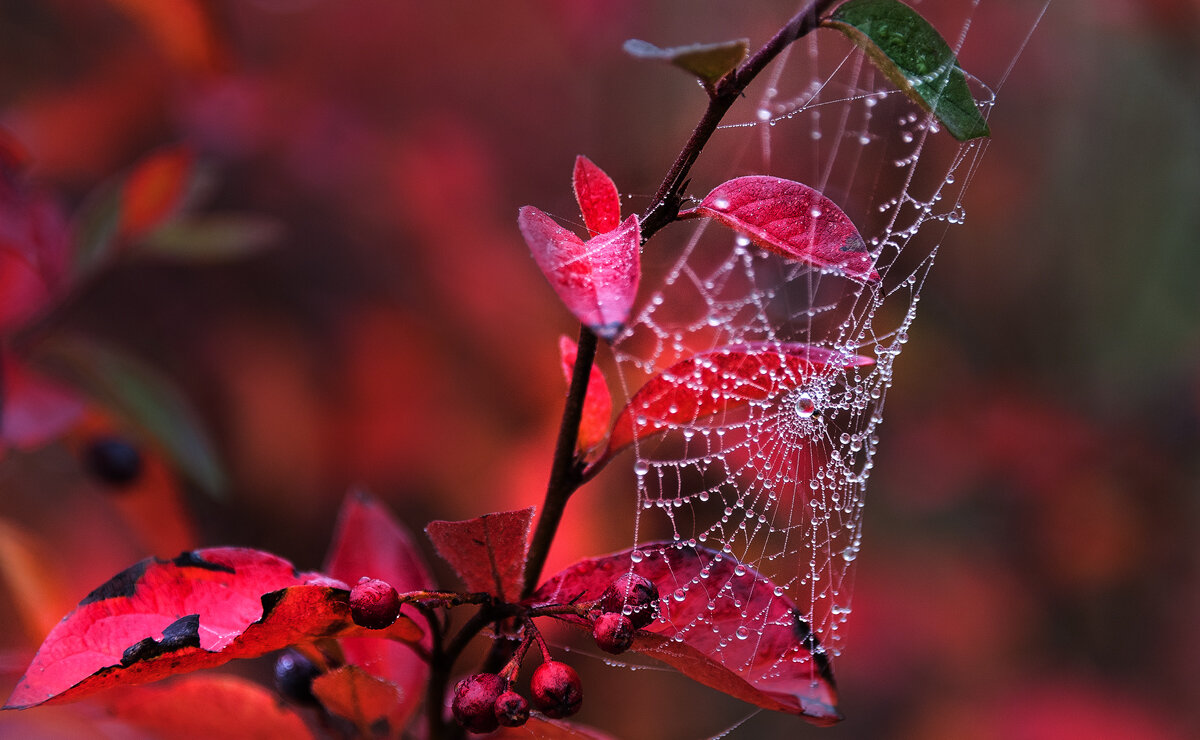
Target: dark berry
(636, 592)
(294, 675)
(474, 704)
(613, 632)
(511, 709)
(113, 461)
(374, 604)
(556, 689)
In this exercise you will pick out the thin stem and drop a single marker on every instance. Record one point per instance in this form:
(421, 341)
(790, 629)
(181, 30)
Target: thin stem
(565, 470)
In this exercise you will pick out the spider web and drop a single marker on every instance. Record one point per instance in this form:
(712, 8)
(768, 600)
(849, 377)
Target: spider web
(777, 480)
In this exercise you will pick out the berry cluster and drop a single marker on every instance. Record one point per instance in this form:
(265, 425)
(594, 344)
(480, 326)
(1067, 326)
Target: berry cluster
(629, 603)
(485, 701)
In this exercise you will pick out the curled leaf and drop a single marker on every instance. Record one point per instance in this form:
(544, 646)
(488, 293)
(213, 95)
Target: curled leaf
(597, 404)
(597, 195)
(597, 280)
(792, 220)
(198, 610)
(712, 382)
(915, 57)
(721, 623)
(709, 62)
(487, 552)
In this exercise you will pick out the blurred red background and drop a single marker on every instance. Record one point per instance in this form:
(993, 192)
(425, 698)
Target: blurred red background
(1030, 567)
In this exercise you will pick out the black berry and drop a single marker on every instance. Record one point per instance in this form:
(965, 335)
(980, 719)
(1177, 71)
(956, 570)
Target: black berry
(474, 704)
(374, 604)
(613, 632)
(556, 689)
(294, 675)
(511, 709)
(113, 461)
(638, 593)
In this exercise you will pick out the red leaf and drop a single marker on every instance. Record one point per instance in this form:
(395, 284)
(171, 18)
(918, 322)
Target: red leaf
(597, 404)
(712, 382)
(35, 409)
(155, 189)
(792, 220)
(597, 196)
(370, 542)
(199, 610)
(596, 279)
(355, 694)
(769, 657)
(209, 706)
(487, 552)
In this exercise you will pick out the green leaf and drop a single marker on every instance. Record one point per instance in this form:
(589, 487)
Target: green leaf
(141, 396)
(709, 62)
(916, 58)
(211, 238)
(95, 228)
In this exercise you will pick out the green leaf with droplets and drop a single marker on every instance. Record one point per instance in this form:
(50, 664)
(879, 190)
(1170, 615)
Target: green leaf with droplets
(709, 62)
(916, 58)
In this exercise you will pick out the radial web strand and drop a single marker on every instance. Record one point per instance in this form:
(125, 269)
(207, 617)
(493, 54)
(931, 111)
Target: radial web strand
(775, 477)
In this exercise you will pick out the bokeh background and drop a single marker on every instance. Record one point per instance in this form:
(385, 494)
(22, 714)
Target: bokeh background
(1031, 566)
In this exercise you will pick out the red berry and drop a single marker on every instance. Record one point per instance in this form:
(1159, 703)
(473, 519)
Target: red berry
(636, 592)
(556, 689)
(374, 604)
(613, 632)
(474, 704)
(511, 709)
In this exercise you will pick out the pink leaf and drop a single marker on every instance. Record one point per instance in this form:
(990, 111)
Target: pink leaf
(768, 657)
(712, 382)
(35, 409)
(487, 552)
(792, 220)
(199, 610)
(597, 280)
(370, 542)
(597, 404)
(597, 196)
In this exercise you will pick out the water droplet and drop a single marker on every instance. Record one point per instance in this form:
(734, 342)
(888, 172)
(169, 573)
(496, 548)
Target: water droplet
(641, 467)
(805, 406)
(739, 570)
(741, 633)
(849, 554)
(816, 212)
(720, 204)
(763, 114)
(636, 556)
(742, 240)
(680, 594)
(779, 590)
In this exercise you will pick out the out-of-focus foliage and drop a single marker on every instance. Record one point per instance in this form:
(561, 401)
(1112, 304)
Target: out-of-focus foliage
(1029, 568)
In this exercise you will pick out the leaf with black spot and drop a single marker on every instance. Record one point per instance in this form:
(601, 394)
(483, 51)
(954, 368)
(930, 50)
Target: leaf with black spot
(199, 610)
